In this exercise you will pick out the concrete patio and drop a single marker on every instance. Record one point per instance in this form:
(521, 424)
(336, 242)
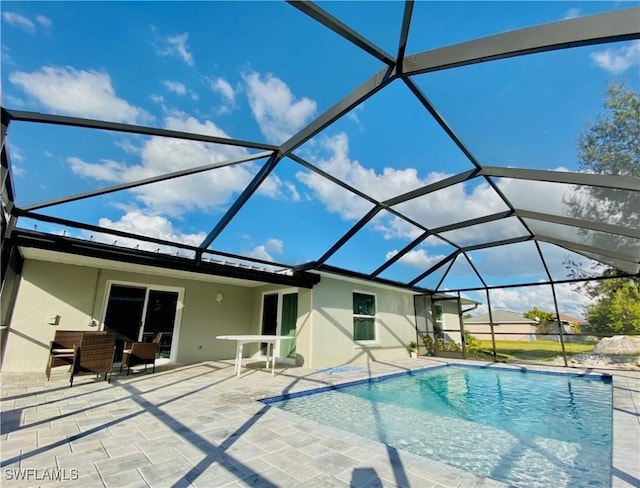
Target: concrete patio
(200, 426)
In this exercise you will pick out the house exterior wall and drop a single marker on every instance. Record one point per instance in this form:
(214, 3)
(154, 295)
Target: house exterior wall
(48, 288)
(324, 328)
(331, 334)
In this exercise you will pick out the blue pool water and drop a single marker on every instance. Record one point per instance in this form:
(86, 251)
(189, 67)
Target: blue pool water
(527, 429)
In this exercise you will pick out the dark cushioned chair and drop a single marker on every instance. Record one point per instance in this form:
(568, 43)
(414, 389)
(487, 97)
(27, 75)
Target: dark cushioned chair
(61, 348)
(94, 355)
(136, 353)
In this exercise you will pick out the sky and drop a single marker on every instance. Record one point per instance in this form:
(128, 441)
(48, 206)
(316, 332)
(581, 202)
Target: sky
(261, 71)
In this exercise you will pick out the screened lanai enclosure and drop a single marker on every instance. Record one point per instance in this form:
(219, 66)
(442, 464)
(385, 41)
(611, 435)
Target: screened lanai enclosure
(442, 147)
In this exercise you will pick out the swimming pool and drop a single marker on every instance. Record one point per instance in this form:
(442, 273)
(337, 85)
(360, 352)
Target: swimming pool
(528, 429)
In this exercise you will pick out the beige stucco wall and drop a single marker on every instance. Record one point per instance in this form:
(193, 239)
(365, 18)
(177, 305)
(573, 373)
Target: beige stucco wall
(331, 329)
(46, 289)
(324, 326)
(50, 288)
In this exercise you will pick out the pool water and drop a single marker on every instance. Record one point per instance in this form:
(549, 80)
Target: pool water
(528, 429)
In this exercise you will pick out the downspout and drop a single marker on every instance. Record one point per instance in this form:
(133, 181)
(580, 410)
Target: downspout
(92, 322)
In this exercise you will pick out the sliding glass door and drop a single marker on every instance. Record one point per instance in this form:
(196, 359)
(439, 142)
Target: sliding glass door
(139, 312)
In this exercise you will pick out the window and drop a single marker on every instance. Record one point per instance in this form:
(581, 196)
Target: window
(364, 317)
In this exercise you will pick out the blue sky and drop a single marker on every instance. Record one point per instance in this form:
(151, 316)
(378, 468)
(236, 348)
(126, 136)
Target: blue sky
(260, 72)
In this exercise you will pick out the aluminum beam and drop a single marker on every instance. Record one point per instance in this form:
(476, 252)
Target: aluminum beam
(355, 191)
(127, 235)
(397, 256)
(544, 283)
(587, 179)
(444, 275)
(435, 231)
(475, 269)
(621, 25)
(435, 267)
(147, 181)
(23, 116)
(426, 103)
(302, 162)
(504, 242)
(404, 32)
(343, 30)
(127, 255)
(583, 224)
(352, 100)
(598, 251)
(250, 189)
(438, 185)
(349, 234)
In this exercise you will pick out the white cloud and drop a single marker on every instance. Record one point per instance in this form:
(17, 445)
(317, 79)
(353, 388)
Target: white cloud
(78, 92)
(106, 170)
(176, 45)
(274, 187)
(523, 299)
(278, 113)
(5, 56)
(275, 245)
(572, 13)
(434, 210)
(16, 153)
(44, 21)
(224, 88)
(156, 98)
(449, 205)
(15, 157)
(158, 155)
(175, 87)
(264, 251)
(419, 258)
(138, 222)
(617, 60)
(18, 20)
(128, 147)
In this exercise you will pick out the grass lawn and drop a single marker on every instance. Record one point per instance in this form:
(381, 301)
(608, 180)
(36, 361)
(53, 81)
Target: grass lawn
(536, 350)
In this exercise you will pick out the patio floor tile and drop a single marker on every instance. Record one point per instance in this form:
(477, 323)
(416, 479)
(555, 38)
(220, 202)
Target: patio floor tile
(199, 426)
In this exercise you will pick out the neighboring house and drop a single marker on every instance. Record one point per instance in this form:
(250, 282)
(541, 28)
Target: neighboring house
(336, 319)
(572, 325)
(512, 324)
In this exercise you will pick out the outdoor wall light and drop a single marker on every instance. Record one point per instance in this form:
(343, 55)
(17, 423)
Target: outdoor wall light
(219, 297)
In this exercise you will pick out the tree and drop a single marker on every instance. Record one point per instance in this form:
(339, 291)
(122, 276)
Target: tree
(611, 146)
(616, 308)
(539, 316)
(547, 323)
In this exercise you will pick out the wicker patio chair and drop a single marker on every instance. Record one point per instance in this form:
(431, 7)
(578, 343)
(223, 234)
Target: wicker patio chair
(61, 348)
(94, 355)
(136, 353)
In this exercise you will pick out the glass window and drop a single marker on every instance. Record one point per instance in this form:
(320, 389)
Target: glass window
(364, 317)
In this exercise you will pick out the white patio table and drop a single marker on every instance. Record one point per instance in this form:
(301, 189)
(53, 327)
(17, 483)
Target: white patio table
(241, 340)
